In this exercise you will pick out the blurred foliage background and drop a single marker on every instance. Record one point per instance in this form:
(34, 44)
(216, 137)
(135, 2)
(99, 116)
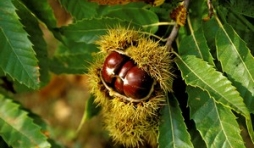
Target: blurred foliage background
(62, 94)
(61, 103)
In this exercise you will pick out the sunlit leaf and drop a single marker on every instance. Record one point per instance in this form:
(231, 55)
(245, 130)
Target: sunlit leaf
(16, 54)
(216, 123)
(237, 61)
(17, 129)
(36, 37)
(198, 73)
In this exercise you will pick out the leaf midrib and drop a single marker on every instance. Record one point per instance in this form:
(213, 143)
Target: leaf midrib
(221, 124)
(209, 86)
(238, 54)
(172, 127)
(12, 48)
(19, 131)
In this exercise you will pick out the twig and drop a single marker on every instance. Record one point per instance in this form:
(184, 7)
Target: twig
(210, 11)
(175, 29)
(210, 8)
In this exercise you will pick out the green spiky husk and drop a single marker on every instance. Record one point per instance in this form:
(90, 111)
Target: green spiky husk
(132, 123)
(156, 60)
(132, 133)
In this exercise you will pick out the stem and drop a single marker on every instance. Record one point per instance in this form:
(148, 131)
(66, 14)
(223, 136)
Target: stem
(175, 29)
(172, 36)
(210, 8)
(159, 24)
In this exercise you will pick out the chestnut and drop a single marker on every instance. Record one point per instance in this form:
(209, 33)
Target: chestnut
(112, 65)
(137, 83)
(120, 73)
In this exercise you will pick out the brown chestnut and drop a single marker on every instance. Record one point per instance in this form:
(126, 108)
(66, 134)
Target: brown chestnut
(112, 65)
(137, 83)
(122, 74)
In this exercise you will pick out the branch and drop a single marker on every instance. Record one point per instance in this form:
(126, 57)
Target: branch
(175, 29)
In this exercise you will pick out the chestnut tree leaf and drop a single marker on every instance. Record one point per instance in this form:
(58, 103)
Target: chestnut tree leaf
(196, 138)
(16, 54)
(80, 9)
(90, 111)
(36, 37)
(242, 26)
(237, 61)
(17, 128)
(215, 122)
(210, 29)
(198, 14)
(243, 7)
(72, 60)
(89, 30)
(195, 44)
(172, 129)
(42, 10)
(198, 73)
(142, 17)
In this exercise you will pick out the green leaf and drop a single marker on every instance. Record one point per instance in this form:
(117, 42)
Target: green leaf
(241, 24)
(242, 59)
(107, 9)
(72, 61)
(172, 130)
(42, 10)
(163, 10)
(199, 11)
(198, 73)
(244, 7)
(216, 123)
(16, 54)
(36, 37)
(80, 9)
(17, 129)
(136, 15)
(89, 30)
(237, 61)
(91, 110)
(210, 29)
(249, 124)
(196, 44)
(196, 138)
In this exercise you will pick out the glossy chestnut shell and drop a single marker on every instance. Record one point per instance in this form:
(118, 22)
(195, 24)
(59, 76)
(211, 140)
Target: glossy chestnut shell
(120, 73)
